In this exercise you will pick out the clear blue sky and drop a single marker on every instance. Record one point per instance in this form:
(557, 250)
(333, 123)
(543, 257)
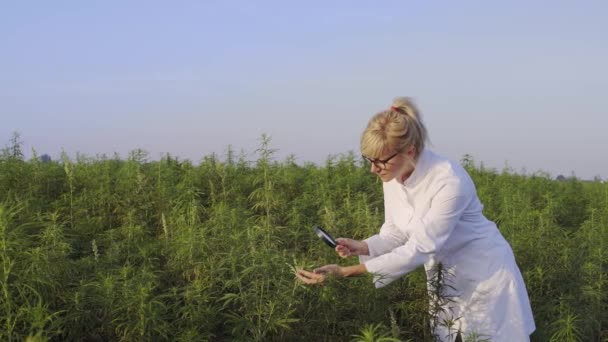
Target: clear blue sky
(523, 83)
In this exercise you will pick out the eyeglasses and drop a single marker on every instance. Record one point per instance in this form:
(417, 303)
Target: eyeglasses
(381, 164)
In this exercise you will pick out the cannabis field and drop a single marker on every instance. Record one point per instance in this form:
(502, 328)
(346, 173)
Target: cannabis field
(110, 249)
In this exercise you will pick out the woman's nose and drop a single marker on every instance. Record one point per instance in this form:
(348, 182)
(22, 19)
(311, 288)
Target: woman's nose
(374, 168)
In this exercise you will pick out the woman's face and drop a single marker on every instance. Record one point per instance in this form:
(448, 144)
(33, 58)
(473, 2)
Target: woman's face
(394, 165)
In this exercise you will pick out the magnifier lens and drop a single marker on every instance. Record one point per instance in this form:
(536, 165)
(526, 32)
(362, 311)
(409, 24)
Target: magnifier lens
(328, 239)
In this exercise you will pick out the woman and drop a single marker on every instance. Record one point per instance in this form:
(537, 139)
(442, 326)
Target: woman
(433, 217)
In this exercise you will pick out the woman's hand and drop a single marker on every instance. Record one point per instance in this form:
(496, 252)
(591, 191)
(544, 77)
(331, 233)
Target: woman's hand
(320, 274)
(350, 247)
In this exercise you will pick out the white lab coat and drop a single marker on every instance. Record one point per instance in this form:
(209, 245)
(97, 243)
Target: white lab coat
(436, 217)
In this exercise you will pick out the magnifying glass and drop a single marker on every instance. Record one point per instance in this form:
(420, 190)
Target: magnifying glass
(325, 236)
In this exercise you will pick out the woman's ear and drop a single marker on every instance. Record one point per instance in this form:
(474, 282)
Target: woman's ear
(411, 151)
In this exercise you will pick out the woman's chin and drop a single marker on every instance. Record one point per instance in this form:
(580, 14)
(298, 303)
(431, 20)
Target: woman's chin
(386, 177)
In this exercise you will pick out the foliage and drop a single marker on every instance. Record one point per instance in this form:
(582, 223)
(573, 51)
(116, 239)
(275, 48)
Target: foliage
(106, 249)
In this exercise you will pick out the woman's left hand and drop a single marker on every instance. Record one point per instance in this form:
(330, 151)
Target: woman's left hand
(319, 275)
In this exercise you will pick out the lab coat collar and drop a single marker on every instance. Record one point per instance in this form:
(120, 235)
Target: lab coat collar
(420, 170)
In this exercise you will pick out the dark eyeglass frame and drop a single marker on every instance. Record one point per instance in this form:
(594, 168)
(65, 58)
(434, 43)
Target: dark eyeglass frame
(377, 162)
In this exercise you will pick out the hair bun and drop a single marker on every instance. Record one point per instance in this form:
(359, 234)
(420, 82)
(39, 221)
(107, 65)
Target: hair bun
(395, 128)
(405, 105)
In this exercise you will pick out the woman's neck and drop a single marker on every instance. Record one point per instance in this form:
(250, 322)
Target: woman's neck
(405, 176)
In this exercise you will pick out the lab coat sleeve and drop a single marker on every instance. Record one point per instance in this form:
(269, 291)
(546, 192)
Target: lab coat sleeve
(389, 237)
(430, 232)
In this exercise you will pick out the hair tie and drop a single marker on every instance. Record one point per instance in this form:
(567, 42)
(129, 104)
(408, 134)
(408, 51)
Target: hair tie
(397, 109)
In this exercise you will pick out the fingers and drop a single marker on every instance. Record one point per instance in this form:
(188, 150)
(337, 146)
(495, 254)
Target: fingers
(344, 255)
(305, 280)
(344, 247)
(347, 243)
(343, 251)
(332, 269)
(341, 248)
(308, 274)
(323, 269)
(343, 241)
(309, 277)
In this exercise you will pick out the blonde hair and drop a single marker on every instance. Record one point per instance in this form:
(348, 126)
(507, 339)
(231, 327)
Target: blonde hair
(394, 130)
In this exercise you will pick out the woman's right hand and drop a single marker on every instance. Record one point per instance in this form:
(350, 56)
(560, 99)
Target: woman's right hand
(350, 247)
